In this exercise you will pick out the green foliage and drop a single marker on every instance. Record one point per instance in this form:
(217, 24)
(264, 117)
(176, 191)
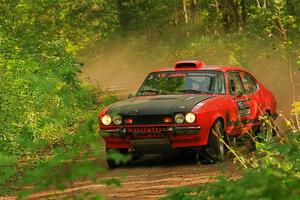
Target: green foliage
(48, 116)
(113, 181)
(75, 24)
(75, 158)
(148, 15)
(41, 97)
(118, 157)
(277, 177)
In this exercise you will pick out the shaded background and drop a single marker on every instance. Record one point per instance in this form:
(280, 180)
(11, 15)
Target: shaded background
(122, 68)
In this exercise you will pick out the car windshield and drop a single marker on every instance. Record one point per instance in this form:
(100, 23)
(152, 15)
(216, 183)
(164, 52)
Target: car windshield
(176, 82)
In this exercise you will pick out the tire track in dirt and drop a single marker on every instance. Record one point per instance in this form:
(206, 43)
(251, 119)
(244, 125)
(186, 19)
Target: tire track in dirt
(149, 178)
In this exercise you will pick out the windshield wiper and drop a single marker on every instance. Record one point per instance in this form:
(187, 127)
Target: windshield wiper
(149, 90)
(195, 91)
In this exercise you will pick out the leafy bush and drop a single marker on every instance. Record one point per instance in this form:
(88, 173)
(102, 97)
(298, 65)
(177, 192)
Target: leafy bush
(48, 115)
(277, 177)
(274, 172)
(41, 97)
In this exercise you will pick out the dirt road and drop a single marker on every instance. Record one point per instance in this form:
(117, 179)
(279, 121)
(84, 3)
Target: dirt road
(149, 178)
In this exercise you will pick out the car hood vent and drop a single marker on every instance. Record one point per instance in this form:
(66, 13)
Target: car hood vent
(187, 64)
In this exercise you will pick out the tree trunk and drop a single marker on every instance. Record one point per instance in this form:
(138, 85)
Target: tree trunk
(193, 9)
(234, 15)
(244, 14)
(265, 4)
(258, 3)
(290, 7)
(186, 18)
(225, 13)
(122, 18)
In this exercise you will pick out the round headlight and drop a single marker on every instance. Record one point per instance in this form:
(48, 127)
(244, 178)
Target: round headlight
(179, 118)
(106, 120)
(190, 118)
(117, 120)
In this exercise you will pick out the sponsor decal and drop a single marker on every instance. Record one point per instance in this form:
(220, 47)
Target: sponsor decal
(182, 74)
(206, 74)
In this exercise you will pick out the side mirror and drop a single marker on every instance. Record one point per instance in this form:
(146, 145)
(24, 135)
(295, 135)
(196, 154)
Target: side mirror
(238, 93)
(130, 95)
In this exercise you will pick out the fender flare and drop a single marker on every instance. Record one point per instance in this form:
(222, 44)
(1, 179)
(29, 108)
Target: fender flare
(219, 116)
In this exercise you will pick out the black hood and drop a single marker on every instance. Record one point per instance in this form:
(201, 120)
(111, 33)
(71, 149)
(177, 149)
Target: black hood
(155, 105)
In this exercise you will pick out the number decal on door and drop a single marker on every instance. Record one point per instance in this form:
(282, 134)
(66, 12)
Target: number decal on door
(243, 107)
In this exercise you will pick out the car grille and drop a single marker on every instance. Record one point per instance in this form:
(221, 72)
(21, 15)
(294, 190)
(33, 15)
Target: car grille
(148, 129)
(148, 119)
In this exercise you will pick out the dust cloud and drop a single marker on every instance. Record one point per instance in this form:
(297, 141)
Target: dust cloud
(118, 69)
(121, 69)
(275, 75)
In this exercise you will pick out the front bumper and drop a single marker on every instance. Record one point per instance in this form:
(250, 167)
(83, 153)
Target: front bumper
(158, 131)
(131, 137)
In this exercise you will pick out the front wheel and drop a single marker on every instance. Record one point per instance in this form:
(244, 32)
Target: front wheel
(117, 157)
(215, 148)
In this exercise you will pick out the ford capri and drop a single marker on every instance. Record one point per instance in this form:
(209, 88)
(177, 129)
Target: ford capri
(191, 106)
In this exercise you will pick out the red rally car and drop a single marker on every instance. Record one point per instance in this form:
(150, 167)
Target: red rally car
(188, 107)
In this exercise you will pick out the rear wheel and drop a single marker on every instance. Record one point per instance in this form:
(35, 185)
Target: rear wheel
(214, 151)
(252, 140)
(267, 129)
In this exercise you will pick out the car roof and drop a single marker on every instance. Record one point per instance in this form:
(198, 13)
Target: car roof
(204, 68)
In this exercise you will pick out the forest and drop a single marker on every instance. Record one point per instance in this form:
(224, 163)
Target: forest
(48, 110)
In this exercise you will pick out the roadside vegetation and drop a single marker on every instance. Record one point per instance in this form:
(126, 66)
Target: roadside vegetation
(48, 116)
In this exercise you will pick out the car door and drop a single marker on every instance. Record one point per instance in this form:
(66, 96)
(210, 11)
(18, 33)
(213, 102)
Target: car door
(240, 111)
(251, 91)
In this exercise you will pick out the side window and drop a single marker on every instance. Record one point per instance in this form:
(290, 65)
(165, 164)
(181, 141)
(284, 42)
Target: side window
(235, 83)
(249, 83)
(218, 85)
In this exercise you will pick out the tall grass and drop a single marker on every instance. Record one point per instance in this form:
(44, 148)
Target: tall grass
(273, 172)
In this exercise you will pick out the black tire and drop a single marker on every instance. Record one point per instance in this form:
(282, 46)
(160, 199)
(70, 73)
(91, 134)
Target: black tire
(267, 129)
(111, 162)
(252, 143)
(252, 136)
(214, 151)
